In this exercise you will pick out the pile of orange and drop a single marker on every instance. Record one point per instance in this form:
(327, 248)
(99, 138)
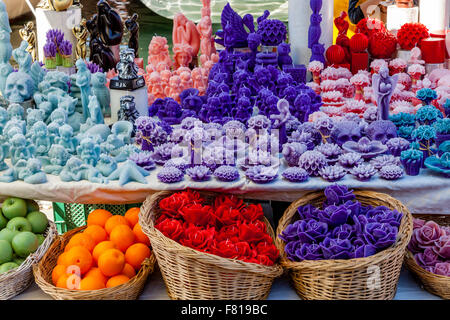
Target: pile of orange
(109, 252)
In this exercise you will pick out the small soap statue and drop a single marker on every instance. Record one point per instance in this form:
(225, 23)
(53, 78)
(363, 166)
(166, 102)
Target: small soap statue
(5, 35)
(185, 31)
(28, 34)
(89, 151)
(22, 57)
(84, 83)
(126, 68)
(58, 159)
(66, 139)
(110, 25)
(95, 112)
(40, 138)
(127, 111)
(80, 32)
(101, 91)
(133, 28)
(383, 86)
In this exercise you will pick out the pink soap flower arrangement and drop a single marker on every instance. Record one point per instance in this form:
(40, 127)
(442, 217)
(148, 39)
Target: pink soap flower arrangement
(315, 67)
(430, 245)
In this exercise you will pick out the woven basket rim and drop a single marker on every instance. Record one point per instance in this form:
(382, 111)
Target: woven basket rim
(34, 257)
(403, 237)
(208, 258)
(146, 269)
(410, 260)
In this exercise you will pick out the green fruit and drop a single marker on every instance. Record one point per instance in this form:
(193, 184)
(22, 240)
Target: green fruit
(14, 207)
(7, 234)
(25, 243)
(8, 266)
(41, 238)
(18, 260)
(6, 252)
(19, 224)
(3, 220)
(32, 205)
(38, 220)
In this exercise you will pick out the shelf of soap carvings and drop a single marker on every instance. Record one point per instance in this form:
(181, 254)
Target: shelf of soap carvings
(432, 189)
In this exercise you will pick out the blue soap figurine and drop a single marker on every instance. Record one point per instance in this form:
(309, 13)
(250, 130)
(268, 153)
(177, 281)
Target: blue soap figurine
(74, 118)
(123, 131)
(5, 70)
(14, 126)
(95, 111)
(58, 159)
(129, 172)
(5, 32)
(20, 148)
(102, 93)
(66, 139)
(106, 165)
(33, 116)
(83, 81)
(58, 118)
(4, 152)
(12, 174)
(33, 173)
(100, 130)
(3, 119)
(23, 58)
(40, 138)
(16, 111)
(76, 170)
(89, 151)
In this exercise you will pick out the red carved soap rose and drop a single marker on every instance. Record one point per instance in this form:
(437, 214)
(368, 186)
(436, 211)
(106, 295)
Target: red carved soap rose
(171, 228)
(253, 232)
(252, 212)
(197, 214)
(227, 215)
(197, 237)
(230, 232)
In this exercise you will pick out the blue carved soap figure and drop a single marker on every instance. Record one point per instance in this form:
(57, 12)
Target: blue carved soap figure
(4, 153)
(106, 165)
(75, 92)
(66, 138)
(22, 57)
(5, 70)
(33, 173)
(46, 108)
(37, 74)
(123, 130)
(12, 127)
(102, 93)
(16, 111)
(5, 31)
(3, 119)
(95, 111)
(12, 174)
(74, 118)
(33, 116)
(72, 170)
(40, 138)
(84, 83)
(57, 119)
(19, 87)
(89, 151)
(20, 148)
(58, 159)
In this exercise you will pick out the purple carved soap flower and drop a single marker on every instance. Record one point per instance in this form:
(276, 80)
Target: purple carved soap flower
(337, 194)
(50, 50)
(292, 151)
(311, 231)
(226, 173)
(55, 36)
(324, 125)
(337, 248)
(295, 174)
(290, 249)
(189, 122)
(312, 161)
(307, 211)
(332, 173)
(385, 160)
(290, 234)
(366, 148)
(427, 258)
(334, 215)
(397, 145)
(428, 234)
(362, 249)
(199, 173)
(163, 153)
(170, 175)
(330, 150)
(343, 231)
(93, 67)
(309, 251)
(380, 235)
(383, 214)
(259, 122)
(143, 159)
(391, 172)
(261, 174)
(65, 48)
(363, 172)
(442, 246)
(350, 160)
(442, 269)
(179, 163)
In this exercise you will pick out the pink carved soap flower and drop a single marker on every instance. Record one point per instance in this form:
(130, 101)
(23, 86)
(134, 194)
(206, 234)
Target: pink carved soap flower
(355, 106)
(332, 98)
(428, 258)
(404, 79)
(329, 73)
(416, 71)
(428, 234)
(360, 81)
(397, 65)
(343, 85)
(442, 269)
(316, 67)
(314, 86)
(376, 65)
(442, 246)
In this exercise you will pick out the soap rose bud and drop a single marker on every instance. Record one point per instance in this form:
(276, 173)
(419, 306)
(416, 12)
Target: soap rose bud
(337, 249)
(442, 247)
(291, 248)
(418, 223)
(264, 260)
(171, 228)
(171, 205)
(427, 258)
(197, 214)
(380, 235)
(197, 238)
(362, 249)
(310, 231)
(252, 212)
(337, 194)
(307, 212)
(227, 215)
(228, 232)
(343, 232)
(428, 234)
(383, 214)
(230, 201)
(360, 223)
(334, 215)
(309, 251)
(226, 249)
(442, 269)
(253, 232)
(268, 249)
(291, 232)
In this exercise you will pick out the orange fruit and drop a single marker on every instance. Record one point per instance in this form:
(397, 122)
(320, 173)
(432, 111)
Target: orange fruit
(95, 272)
(122, 236)
(69, 281)
(111, 262)
(81, 239)
(140, 235)
(136, 254)
(132, 215)
(81, 257)
(62, 259)
(97, 233)
(57, 272)
(128, 270)
(91, 283)
(102, 247)
(114, 221)
(117, 280)
(98, 217)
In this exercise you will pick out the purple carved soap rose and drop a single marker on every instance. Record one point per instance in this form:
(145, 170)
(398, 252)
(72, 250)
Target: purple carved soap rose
(383, 214)
(344, 231)
(381, 235)
(442, 247)
(307, 212)
(427, 235)
(310, 231)
(334, 215)
(309, 251)
(337, 194)
(428, 258)
(362, 249)
(337, 249)
(291, 232)
(290, 249)
(418, 223)
(442, 269)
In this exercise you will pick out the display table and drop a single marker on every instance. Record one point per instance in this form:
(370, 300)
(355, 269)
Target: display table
(408, 289)
(427, 193)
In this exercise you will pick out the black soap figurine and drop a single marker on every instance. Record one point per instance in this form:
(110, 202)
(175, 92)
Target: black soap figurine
(110, 26)
(91, 25)
(127, 111)
(99, 53)
(133, 27)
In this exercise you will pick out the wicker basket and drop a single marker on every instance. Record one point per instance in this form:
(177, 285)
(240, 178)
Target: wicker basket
(15, 281)
(191, 274)
(374, 277)
(127, 291)
(436, 284)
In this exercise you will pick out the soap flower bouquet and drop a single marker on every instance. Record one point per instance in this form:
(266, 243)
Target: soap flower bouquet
(228, 227)
(50, 55)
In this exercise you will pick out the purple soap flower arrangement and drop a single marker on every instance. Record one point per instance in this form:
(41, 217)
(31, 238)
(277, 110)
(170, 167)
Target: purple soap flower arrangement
(342, 229)
(430, 245)
(55, 40)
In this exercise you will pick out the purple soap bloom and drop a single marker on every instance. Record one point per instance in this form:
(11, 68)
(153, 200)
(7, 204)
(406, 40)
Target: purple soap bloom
(258, 122)
(337, 249)
(343, 231)
(290, 249)
(226, 173)
(199, 173)
(261, 174)
(384, 160)
(363, 172)
(334, 215)
(189, 122)
(362, 249)
(177, 135)
(65, 48)
(397, 145)
(330, 150)
(307, 212)
(337, 194)
(290, 234)
(273, 32)
(332, 173)
(143, 159)
(442, 269)
(93, 67)
(292, 152)
(309, 251)
(366, 148)
(383, 214)
(442, 246)
(179, 163)
(427, 258)
(50, 50)
(312, 161)
(391, 172)
(324, 125)
(295, 174)
(170, 175)
(380, 235)
(311, 231)
(350, 160)
(163, 152)
(428, 234)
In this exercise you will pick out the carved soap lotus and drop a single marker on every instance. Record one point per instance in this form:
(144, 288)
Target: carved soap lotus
(366, 148)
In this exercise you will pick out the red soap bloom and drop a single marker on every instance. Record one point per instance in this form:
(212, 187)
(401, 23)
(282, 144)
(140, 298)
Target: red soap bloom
(226, 249)
(252, 212)
(197, 237)
(230, 201)
(382, 45)
(335, 54)
(228, 233)
(197, 214)
(171, 228)
(253, 232)
(268, 249)
(369, 26)
(227, 215)
(410, 34)
(359, 42)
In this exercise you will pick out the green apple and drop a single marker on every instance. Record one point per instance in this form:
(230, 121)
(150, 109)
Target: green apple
(25, 243)
(3, 220)
(6, 251)
(7, 234)
(18, 260)
(38, 220)
(19, 224)
(8, 266)
(32, 205)
(41, 238)
(14, 207)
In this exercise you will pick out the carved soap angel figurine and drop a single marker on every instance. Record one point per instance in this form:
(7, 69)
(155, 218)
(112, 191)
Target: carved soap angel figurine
(383, 86)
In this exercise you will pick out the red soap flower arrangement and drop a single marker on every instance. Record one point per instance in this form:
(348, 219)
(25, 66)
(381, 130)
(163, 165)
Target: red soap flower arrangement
(369, 26)
(228, 227)
(410, 34)
(382, 45)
